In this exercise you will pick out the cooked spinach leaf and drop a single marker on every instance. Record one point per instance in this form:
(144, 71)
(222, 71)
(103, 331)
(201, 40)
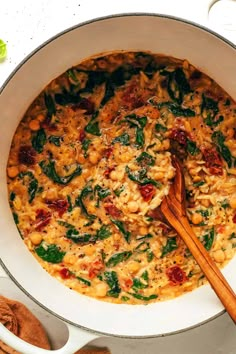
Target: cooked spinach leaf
(50, 171)
(170, 246)
(101, 192)
(123, 139)
(140, 177)
(16, 218)
(111, 279)
(199, 184)
(145, 159)
(142, 247)
(118, 258)
(65, 224)
(142, 297)
(85, 281)
(74, 235)
(208, 239)
(212, 122)
(119, 190)
(233, 235)
(192, 147)
(50, 105)
(93, 126)
(175, 108)
(103, 233)
(140, 283)
(50, 253)
(67, 97)
(39, 139)
(87, 190)
(219, 139)
(85, 145)
(32, 184)
(54, 139)
(160, 128)
(139, 124)
(121, 227)
(209, 106)
(150, 255)
(177, 85)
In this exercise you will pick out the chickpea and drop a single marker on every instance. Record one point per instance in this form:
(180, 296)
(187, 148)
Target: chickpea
(34, 125)
(158, 175)
(232, 202)
(196, 218)
(40, 117)
(101, 289)
(12, 171)
(133, 267)
(17, 203)
(205, 202)
(36, 238)
(81, 158)
(69, 258)
(133, 206)
(94, 157)
(89, 250)
(117, 175)
(143, 230)
(219, 256)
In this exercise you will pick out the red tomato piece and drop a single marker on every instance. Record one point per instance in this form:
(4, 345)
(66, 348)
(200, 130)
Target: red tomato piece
(85, 104)
(65, 273)
(60, 205)
(26, 155)
(95, 268)
(176, 275)
(234, 218)
(213, 161)
(180, 136)
(43, 218)
(82, 135)
(112, 210)
(147, 191)
(108, 171)
(108, 152)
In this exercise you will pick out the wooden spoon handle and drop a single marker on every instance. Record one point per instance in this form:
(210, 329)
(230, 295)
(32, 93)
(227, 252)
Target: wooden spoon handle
(211, 271)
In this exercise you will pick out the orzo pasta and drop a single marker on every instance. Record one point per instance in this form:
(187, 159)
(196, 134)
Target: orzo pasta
(90, 163)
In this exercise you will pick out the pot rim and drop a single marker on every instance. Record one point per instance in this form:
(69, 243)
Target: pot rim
(3, 86)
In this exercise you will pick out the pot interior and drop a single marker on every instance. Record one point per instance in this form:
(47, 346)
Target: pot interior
(158, 34)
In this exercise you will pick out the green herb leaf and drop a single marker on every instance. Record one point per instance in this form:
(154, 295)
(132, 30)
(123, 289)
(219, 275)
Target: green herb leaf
(123, 139)
(145, 159)
(144, 298)
(219, 139)
(102, 192)
(170, 246)
(32, 184)
(208, 239)
(118, 258)
(74, 235)
(111, 279)
(119, 190)
(56, 140)
(50, 105)
(85, 281)
(3, 50)
(160, 128)
(141, 178)
(121, 227)
(103, 233)
(39, 140)
(192, 147)
(85, 146)
(49, 253)
(50, 171)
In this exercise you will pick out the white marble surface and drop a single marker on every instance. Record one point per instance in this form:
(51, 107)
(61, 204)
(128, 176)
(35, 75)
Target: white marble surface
(25, 24)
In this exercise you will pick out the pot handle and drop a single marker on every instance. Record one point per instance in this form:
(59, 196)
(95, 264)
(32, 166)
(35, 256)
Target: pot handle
(77, 339)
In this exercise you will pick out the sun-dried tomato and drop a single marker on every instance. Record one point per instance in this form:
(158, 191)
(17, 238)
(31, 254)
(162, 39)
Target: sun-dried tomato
(60, 205)
(108, 171)
(213, 161)
(82, 135)
(234, 218)
(85, 104)
(108, 152)
(147, 192)
(43, 218)
(126, 284)
(95, 268)
(131, 98)
(180, 136)
(112, 210)
(176, 275)
(65, 273)
(26, 155)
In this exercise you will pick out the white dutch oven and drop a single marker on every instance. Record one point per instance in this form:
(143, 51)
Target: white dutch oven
(87, 317)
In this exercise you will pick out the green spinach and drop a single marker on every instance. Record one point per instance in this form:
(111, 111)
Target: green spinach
(111, 279)
(118, 258)
(39, 139)
(50, 253)
(121, 227)
(50, 171)
(170, 246)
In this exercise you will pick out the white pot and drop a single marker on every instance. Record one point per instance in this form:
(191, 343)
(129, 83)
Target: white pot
(160, 34)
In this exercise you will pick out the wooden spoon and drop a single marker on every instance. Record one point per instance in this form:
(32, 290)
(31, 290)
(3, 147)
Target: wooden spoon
(174, 210)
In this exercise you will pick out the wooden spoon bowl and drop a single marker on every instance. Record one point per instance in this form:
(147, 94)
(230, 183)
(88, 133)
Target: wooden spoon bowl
(174, 210)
